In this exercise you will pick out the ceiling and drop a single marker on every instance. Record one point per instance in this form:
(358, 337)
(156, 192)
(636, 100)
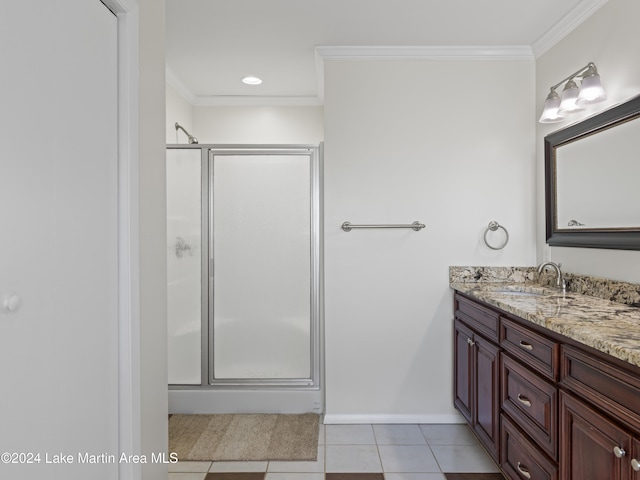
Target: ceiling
(212, 44)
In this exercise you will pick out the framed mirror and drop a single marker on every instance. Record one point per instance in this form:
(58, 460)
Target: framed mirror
(592, 181)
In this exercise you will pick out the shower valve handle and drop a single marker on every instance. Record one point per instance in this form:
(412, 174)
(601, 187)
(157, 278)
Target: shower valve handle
(10, 303)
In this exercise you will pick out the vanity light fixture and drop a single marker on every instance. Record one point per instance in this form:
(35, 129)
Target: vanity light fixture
(573, 99)
(251, 80)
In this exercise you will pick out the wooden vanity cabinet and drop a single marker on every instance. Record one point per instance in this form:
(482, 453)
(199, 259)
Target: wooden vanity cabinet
(544, 406)
(477, 377)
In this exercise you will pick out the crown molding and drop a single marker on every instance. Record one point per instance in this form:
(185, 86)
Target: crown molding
(566, 25)
(446, 52)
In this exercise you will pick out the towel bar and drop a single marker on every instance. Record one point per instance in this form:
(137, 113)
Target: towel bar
(417, 226)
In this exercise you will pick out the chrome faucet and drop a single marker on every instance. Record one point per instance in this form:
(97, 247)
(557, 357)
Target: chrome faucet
(560, 283)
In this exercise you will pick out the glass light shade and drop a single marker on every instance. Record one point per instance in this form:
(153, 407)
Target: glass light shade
(550, 113)
(568, 99)
(591, 90)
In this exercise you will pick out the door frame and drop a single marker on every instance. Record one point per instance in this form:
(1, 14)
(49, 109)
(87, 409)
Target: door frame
(315, 252)
(129, 394)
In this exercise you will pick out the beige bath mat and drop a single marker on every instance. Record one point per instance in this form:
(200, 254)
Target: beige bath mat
(244, 437)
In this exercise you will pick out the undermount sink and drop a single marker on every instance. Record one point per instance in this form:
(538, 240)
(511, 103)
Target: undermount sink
(519, 294)
(524, 291)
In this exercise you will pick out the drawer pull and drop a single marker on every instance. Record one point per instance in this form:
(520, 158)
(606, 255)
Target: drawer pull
(526, 346)
(619, 452)
(525, 401)
(523, 471)
(635, 464)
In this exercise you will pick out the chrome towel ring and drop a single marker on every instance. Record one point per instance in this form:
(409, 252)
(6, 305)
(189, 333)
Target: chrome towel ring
(493, 226)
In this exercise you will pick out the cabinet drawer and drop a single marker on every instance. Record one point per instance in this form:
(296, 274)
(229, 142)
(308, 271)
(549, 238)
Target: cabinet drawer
(533, 349)
(607, 386)
(521, 459)
(532, 403)
(482, 319)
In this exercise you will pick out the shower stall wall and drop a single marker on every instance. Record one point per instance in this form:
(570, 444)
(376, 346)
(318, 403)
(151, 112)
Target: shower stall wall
(244, 279)
(184, 266)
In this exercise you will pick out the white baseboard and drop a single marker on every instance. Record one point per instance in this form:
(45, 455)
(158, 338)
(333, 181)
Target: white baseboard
(339, 418)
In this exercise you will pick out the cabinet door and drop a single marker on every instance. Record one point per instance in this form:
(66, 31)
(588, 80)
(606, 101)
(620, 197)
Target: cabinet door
(634, 461)
(487, 394)
(463, 385)
(592, 447)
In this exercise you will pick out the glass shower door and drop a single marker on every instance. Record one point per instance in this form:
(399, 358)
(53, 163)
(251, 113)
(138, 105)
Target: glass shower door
(262, 262)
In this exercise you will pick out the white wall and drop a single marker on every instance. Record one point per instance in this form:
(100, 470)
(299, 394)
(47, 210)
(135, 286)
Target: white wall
(449, 143)
(181, 111)
(243, 124)
(258, 125)
(152, 211)
(610, 39)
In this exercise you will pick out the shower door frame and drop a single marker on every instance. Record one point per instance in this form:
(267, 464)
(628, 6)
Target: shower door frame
(220, 395)
(315, 237)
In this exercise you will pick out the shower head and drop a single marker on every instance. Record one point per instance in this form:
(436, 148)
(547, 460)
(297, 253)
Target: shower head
(191, 138)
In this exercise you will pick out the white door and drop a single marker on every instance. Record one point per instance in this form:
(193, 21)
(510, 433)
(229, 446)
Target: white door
(58, 239)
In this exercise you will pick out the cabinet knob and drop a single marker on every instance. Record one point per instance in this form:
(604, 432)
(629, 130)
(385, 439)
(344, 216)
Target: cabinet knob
(523, 471)
(635, 464)
(619, 452)
(470, 342)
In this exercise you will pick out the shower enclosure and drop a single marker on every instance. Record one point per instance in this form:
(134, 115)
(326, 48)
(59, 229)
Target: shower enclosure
(244, 279)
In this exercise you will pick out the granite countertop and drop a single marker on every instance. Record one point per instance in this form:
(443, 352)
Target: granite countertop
(608, 326)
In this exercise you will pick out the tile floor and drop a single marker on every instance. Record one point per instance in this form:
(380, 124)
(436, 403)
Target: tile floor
(393, 452)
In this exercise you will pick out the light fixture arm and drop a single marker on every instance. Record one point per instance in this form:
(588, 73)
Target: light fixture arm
(583, 70)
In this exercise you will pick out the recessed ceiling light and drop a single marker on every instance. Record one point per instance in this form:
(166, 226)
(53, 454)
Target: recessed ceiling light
(252, 80)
